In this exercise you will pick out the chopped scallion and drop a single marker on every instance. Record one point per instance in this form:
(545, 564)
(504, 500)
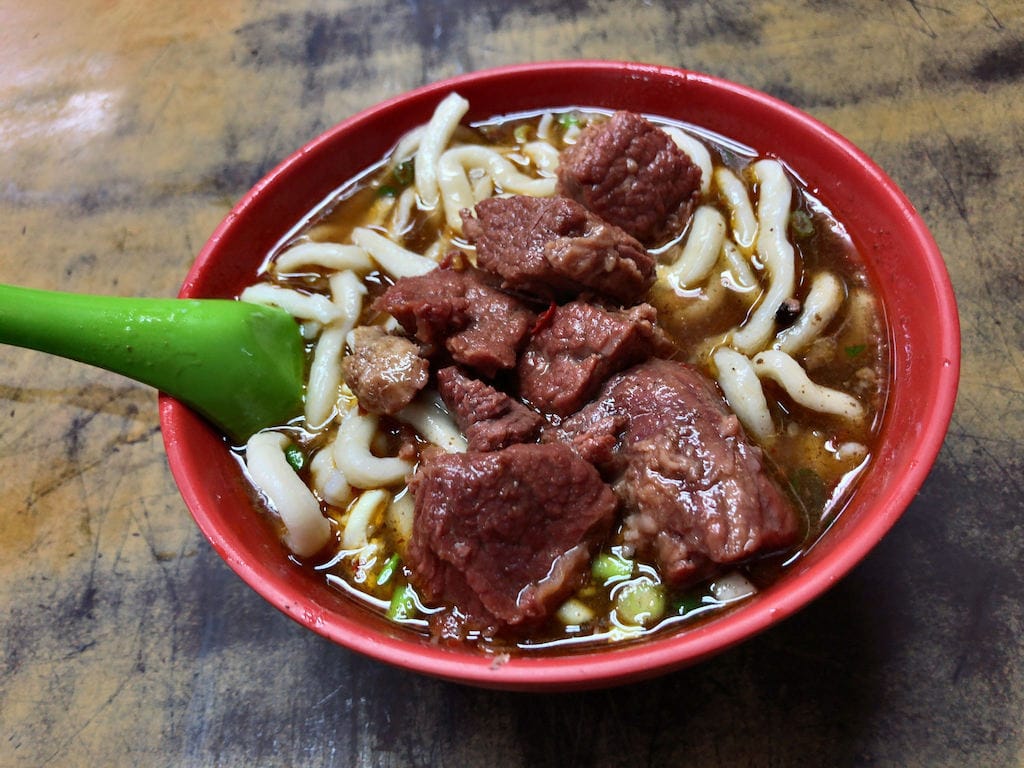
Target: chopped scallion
(295, 457)
(568, 119)
(404, 173)
(609, 565)
(802, 224)
(403, 603)
(640, 602)
(388, 569)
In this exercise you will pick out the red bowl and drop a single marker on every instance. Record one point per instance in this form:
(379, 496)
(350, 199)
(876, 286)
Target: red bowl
(909, 274)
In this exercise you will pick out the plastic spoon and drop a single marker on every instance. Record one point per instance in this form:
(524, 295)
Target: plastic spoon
(239, 365)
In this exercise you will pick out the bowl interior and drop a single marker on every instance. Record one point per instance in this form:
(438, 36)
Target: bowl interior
(906, 265)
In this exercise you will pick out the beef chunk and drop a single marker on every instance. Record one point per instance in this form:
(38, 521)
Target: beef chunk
(630, 173)
(383, 371)
(490, 418)
(506, 535)
(695, 492)
(462, 312)
(554, 248)
(567, 360)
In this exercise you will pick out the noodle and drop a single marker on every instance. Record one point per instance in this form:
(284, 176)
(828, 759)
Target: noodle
(432, 420)
(740, 277)
(787, 372)
(328, 255)
(329, 481)
(776, 252)
(542, 155)
(819, 308)
(325, 372)
(306, 529)
(398, 518)
(703, 244)
(304, 306)
(697, 152)
(741, 212)
(435, 138)
(356, 533)
(352, 454)
(454, 182)
(392, 258)
(401, 214)
(742, 390)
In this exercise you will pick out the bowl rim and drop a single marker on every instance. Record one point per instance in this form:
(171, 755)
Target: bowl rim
(632, 661)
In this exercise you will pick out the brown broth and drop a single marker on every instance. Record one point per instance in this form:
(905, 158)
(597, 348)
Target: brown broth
(850, 355)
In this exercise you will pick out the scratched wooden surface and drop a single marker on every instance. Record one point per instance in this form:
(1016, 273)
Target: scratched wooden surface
(128, 129)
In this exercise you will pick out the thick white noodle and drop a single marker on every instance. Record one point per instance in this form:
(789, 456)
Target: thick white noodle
(456, 191)
(435, 138)
(732, 586)
(324, 377)
(306, 529)
(743, 391)
(741, 210)
(820, 306)
(310, 329)
(455, 166)
(359, 522)
(431, 419)
(347, 292)
(783, 369)
(399, 518)
(391, 257)
(304, 306)
(697, 303)
(543, 155)
(328, 480)
(776, 253)
(437, 249)
(544, 126)
(407, 146)
(696, 150)
(483, 188)
(353, 456)
(700, 252)
(739, 277)
(330, 255)
(401, 214)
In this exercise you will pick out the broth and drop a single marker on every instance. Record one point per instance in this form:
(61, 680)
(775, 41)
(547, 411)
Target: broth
(816, 456)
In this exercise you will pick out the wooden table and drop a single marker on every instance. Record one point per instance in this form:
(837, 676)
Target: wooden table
(127, 130)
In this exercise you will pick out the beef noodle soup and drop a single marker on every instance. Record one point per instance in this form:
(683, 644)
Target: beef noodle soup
(574, 377)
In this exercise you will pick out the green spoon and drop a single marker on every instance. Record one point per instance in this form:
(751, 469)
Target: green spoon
(239, 365)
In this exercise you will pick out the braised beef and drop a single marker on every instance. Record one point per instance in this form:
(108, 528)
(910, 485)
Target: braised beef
(462, 312)
(383, 371)
(490, 418)
(695, 492)
(554, 248)
(581, 344)
(506, 535)
(630, 173)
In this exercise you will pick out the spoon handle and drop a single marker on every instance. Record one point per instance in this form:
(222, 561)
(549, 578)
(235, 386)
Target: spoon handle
(238, 364)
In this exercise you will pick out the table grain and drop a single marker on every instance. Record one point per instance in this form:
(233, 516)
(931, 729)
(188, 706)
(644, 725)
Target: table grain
(127, 131)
